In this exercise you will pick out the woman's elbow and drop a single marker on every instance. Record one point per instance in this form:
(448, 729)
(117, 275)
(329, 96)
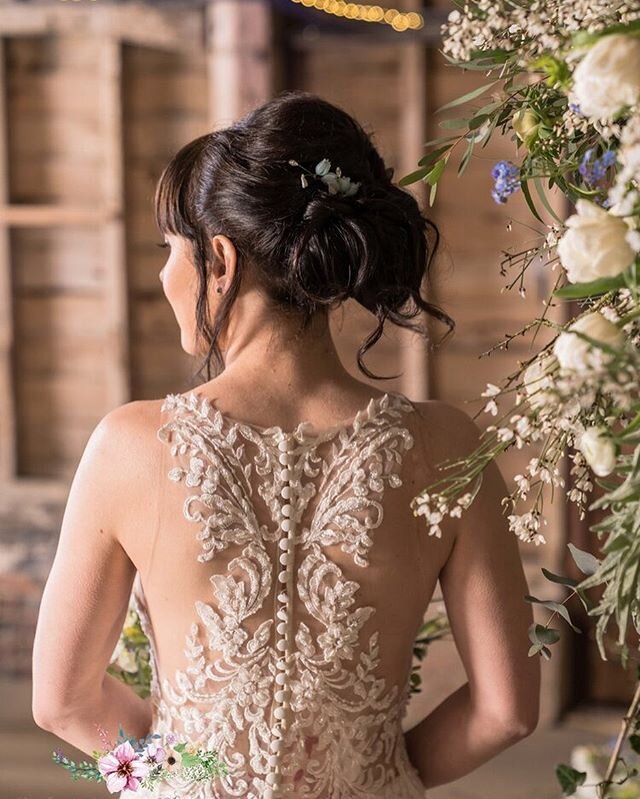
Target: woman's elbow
(523, 721)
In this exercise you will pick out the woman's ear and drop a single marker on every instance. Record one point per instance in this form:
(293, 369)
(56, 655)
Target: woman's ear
(225, 255)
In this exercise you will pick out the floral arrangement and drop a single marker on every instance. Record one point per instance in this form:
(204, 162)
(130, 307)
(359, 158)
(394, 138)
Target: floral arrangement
(564, 85)
(131, 656)
(141, 765)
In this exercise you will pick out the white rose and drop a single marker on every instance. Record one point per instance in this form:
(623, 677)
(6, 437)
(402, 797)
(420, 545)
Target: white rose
(537, 380)
(123, 658)
(608, 77)
(574, 352)
(598, 449)
(595, 245)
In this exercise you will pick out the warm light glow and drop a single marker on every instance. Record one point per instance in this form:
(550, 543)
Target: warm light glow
(398, 20)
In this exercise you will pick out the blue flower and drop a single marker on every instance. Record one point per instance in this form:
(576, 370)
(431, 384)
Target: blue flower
(575, 108)
(507, 180)
(594, 171)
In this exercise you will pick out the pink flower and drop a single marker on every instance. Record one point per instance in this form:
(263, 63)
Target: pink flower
(123, 768)
(154, 753)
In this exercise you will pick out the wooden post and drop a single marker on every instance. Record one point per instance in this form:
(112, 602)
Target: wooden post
(113, 230)
(415, 355)
(7, 407)
(240, 58)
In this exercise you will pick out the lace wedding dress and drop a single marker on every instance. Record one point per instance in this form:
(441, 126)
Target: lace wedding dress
(282, 601)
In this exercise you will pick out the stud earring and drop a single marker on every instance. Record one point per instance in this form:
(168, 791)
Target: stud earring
(219, 289)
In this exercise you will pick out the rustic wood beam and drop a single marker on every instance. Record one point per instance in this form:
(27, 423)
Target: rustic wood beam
(27, 215)
(135, 23)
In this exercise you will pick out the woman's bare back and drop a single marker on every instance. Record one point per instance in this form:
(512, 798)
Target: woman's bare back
(282, 584)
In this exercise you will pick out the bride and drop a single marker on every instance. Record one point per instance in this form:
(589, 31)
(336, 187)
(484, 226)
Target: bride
(260, 522)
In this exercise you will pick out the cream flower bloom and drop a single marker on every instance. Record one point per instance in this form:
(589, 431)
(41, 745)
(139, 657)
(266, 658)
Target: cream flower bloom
(595, 244)
(608, 77)
(537, 380)
(598, 449)
(574, 352)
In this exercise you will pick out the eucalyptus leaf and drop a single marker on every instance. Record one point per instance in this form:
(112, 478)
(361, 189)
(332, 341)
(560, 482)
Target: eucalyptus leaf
(449, 124)
(558, 578)
(412, 177)
(556, 607)
(428, 159)
(585, 561)
(465, 98)
(577, 291)
(436, 172)
(530, 203)
(538, 633)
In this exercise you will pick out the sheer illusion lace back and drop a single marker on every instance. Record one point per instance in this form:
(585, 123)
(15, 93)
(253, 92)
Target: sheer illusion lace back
(282, 600)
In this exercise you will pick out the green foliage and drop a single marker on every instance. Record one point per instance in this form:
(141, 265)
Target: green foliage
(83, 770)
(569, 778)
(432, 630)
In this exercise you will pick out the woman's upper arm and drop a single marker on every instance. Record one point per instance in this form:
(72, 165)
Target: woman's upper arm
(483, 586)
(87, 592)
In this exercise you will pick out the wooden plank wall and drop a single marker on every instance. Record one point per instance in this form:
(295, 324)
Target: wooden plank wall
(164, 106)
(66, 282)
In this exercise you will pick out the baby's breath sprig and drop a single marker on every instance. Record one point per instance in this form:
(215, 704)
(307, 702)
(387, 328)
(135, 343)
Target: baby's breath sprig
(336, 182)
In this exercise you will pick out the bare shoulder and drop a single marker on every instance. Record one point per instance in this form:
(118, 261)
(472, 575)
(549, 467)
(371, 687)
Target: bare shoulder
(124, 457)
(130, 430)
(448, 431)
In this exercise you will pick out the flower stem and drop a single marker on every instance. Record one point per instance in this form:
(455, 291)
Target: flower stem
(627, 720)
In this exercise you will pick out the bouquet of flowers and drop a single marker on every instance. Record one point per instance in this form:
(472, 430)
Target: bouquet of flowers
(564, 85)
(130, 661)
(141, 765)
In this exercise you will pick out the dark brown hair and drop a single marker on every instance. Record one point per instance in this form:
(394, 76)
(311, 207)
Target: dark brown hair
(309, 250)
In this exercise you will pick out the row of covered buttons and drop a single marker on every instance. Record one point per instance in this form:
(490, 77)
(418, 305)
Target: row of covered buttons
(285, 577)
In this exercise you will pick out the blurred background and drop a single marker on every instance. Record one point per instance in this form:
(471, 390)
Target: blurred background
(95, 96)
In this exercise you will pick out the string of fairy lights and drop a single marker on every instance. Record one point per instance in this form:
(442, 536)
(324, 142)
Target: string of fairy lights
(398, 20)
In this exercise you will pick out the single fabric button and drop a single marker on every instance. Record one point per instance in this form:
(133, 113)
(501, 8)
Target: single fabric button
(285, 475)
(285, 525)
(279, 712)
(268, 793)
(281, 679)
(285, 492)
(283, 445)
(286, 509)
(284, 458)
(281, 645)
(280, 696)
(276, 746)
(284, 558)
(282, 614)
(283, 577)
(273, 760)
(282, 597)
(284, 543)
(282, 627)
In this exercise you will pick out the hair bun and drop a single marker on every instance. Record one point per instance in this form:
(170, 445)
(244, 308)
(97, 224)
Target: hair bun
(308, 244)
